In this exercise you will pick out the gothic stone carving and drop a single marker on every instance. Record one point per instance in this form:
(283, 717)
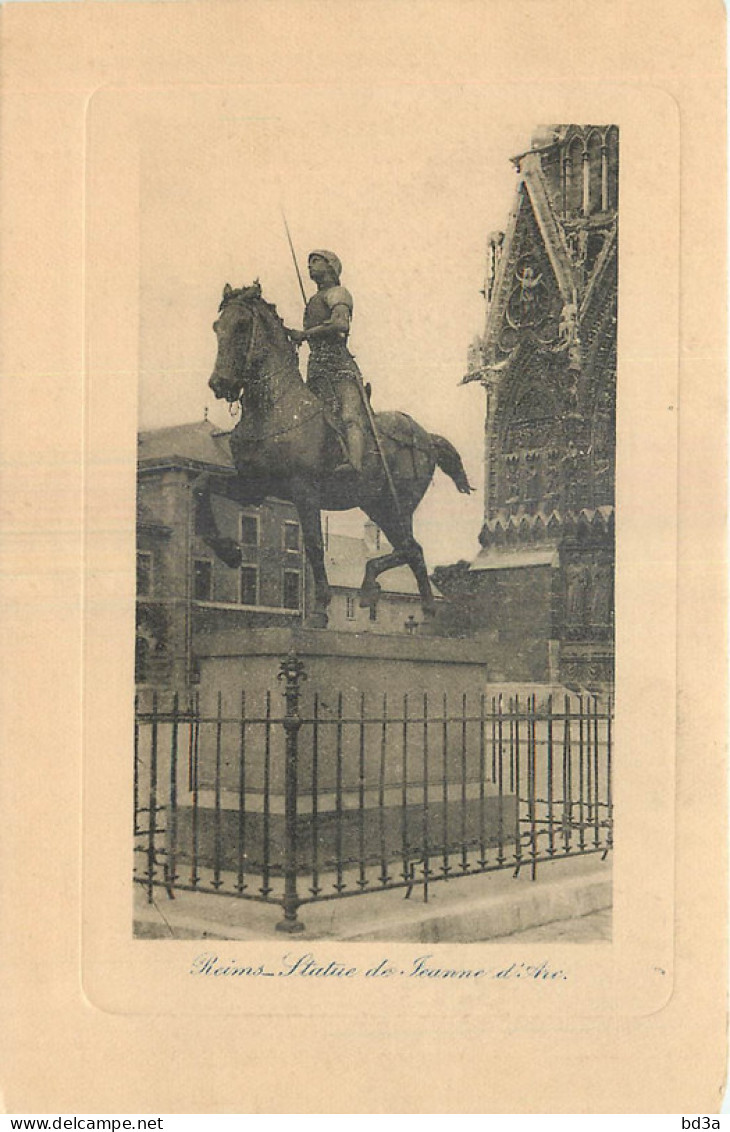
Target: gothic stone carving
(588, 596)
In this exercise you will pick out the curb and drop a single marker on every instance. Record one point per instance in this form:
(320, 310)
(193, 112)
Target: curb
(458, 917)
(494, 918)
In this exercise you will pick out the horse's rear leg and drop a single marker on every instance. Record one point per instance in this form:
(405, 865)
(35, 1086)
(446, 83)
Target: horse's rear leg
(399, 533)
(414, 556)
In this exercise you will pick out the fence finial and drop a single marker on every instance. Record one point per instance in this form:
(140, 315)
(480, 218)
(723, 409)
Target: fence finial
(292, 671)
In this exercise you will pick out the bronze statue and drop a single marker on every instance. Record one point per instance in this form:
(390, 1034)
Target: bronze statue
(332, 372)
(284, 445)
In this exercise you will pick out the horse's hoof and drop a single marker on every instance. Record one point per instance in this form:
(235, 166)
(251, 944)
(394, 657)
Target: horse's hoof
(228, 551)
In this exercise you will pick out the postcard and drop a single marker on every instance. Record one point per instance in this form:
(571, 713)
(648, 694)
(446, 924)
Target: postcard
(365, 567)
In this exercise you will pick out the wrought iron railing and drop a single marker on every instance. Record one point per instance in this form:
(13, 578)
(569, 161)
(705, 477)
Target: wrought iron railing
(331, 798)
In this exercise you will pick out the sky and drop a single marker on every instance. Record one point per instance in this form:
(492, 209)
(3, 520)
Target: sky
(404, 183)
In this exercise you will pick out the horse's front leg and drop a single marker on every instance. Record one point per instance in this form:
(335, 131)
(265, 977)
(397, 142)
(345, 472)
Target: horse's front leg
(310, 519)
(206, 527)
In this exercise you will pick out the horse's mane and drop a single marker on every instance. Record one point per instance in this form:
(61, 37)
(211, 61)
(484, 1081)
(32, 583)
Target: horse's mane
(251, 294)
(271, 307)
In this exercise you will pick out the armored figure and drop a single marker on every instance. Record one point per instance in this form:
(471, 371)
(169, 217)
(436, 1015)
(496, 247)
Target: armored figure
(332, 372)
(601, 599)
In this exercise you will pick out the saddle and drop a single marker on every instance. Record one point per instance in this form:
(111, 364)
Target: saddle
(337, 428)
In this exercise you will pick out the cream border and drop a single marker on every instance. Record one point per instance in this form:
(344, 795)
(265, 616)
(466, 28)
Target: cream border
(624, 1058)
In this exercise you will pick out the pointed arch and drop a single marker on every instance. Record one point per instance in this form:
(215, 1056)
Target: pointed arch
(595, 172)
(574, 177)
(612, 164)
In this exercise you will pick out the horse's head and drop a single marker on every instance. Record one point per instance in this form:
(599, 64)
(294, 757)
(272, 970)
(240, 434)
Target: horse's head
(241, 343)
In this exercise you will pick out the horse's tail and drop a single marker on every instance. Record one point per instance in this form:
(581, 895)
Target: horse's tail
(449, 461)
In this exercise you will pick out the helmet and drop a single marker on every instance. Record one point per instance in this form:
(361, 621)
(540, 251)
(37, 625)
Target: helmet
(332, 260)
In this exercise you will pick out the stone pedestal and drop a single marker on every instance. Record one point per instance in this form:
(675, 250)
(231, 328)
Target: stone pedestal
(350, 662)
(393, 749)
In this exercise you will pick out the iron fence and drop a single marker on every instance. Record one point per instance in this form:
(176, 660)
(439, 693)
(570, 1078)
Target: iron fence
(328, 799)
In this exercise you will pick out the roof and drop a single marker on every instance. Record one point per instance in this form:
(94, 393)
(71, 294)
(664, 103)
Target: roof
(346, 558)
(198, 443)
(494, 559)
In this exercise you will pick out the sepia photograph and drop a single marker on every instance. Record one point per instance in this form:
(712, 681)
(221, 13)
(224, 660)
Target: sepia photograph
(374, 644)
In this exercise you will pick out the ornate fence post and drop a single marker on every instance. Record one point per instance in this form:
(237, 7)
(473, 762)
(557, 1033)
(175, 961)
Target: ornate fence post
(292, 672)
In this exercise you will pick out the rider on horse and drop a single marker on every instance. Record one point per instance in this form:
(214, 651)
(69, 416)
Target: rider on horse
(332, 372)
(282, 446)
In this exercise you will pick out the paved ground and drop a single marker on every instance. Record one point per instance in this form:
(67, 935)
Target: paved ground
(583, 929)
(569, 901)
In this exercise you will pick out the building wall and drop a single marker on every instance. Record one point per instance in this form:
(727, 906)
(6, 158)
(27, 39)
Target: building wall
(517, 605)
(393, 611)
(171, 616)
(168, 607)
(268, 556)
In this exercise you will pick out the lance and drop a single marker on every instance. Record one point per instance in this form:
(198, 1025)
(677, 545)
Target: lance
(294, 257)
(361, 389)
(379, 445)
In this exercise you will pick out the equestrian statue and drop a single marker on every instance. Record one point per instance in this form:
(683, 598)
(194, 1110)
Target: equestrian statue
(317, 444)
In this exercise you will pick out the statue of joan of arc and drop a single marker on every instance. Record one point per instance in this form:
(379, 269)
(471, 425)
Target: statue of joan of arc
(332, 372)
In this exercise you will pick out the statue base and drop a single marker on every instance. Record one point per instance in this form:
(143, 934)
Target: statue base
(394, 758)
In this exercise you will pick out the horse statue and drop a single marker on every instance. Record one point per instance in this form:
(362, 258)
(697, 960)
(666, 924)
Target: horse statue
(285, 445)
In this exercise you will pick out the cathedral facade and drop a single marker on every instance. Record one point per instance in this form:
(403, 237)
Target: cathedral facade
(543, 581)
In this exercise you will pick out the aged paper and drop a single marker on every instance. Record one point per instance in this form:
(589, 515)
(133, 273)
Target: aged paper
(96, 98)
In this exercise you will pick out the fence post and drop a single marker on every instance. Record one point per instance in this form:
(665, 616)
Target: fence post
(292, 672)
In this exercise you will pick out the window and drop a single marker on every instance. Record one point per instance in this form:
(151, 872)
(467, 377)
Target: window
(291, 537)
(250, 530)
(144, 573)
(350, 603)
(249, 585)
(203, 579)
(291, 589)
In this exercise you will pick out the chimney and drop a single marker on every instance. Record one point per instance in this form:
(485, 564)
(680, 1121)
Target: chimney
(375, 540)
